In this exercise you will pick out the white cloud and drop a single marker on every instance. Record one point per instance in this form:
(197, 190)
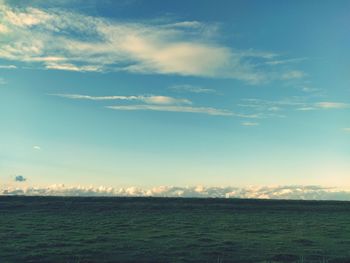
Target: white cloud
(36, 147)
(165, 100)
(266, 192)
(85, 43)
(250, 124)
(172, 108)
(346, 129)
(3, 29)
(151, 99)
(190, 88)
(294, 74)
(71, 67)
(8, 67)
(332, 105)
(267, 108)
(284, 61)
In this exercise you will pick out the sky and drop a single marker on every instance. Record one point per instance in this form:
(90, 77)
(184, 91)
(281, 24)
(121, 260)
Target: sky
(143, 94)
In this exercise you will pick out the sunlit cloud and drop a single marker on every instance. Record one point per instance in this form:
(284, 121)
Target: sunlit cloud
(251, 124)
(151, 99)
(265, 192)
(3, 28)
(57, 39)
(332, 105)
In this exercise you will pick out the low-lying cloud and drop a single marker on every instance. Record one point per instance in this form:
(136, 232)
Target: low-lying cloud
(267, 192)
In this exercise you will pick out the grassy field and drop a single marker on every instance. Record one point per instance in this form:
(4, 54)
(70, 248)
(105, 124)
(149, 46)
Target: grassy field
(65, 229)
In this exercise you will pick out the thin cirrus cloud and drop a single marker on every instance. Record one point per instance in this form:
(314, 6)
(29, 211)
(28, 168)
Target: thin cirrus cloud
(63, 40)
(8, 67)
(263, 192)
(250, 124)
(332, 105)
(155, 103)
(174, 108)
(190, 89)
(147, 99)
(296, 103)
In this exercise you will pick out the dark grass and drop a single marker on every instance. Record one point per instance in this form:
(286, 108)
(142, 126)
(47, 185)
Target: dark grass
(99, 229)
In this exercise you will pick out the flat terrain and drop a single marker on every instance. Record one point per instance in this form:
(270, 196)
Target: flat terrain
(99, 229)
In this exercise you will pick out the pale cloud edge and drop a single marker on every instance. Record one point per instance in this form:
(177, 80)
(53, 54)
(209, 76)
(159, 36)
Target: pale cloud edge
(294, 192)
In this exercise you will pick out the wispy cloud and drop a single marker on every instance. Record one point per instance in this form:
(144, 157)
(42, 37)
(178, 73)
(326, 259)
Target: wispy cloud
(172, 108)
(293, 74)
(8, 67)
(85, 43)
(36, 147)
(157, 103)
(250, 124)
(2, 81)
(151, 99)
(190, 89)
(285, 61)
(266, 108)
(332, 105)
(71, 67)
(3, 28)
(266, 192)
(346, 129)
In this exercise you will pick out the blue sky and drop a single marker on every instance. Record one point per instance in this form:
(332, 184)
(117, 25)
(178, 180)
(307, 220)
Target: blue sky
(148, 93)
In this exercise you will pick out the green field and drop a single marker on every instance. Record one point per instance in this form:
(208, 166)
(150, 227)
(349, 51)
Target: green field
(99, 229)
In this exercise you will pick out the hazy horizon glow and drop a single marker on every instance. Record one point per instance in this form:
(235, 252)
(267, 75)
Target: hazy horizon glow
(139, 93)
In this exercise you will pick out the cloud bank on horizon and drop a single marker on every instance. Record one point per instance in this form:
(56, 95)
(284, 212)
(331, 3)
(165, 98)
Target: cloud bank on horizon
(267, 192)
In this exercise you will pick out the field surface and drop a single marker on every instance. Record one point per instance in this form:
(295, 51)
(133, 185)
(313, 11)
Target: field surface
(99, 229)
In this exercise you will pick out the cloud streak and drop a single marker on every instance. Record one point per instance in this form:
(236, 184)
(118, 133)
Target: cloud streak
(173, 108)
(190, 89)
(151, 99)
(266, 107)
(8, 67)
(266, 192)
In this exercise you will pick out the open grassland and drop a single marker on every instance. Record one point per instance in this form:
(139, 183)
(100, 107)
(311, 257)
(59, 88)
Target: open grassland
(98, 229)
